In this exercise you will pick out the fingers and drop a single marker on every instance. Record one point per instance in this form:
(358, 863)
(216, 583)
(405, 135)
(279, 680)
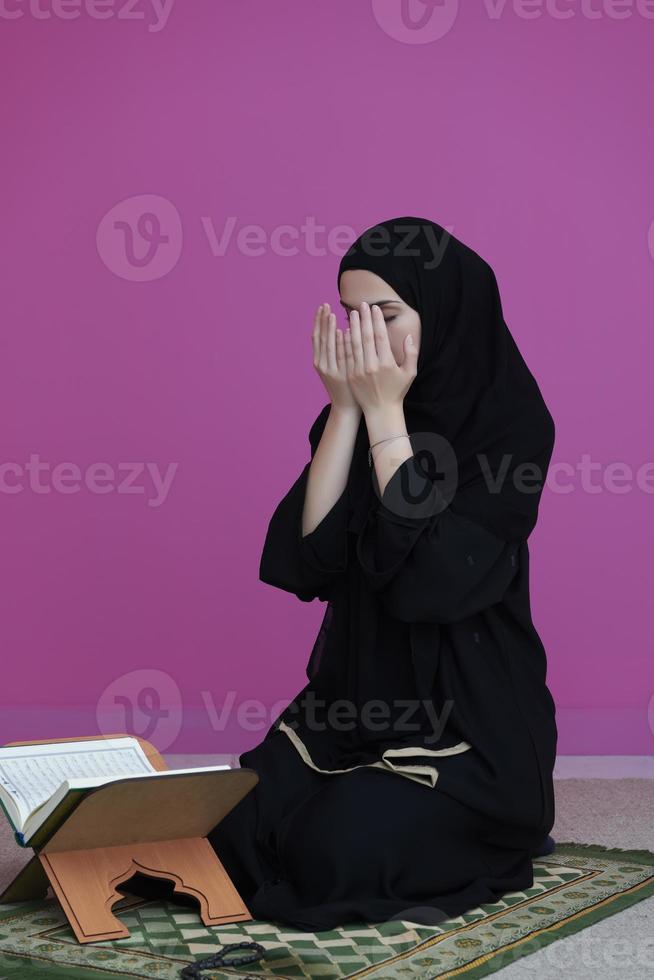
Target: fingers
(380, 334)
(325, 337)
(340, 352)
(324, 317)
(315, 336)
(357, 346)
(349, 355)
(410, 363)
(369, 351)
(330, 340)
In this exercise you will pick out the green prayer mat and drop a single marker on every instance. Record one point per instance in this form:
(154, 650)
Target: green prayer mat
(575, 886)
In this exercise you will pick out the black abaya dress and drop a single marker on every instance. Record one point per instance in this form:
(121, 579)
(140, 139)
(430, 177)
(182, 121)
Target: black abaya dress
(411, 778)
(389, 815)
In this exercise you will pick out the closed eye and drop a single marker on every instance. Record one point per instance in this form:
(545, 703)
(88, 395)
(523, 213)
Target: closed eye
(390, 319)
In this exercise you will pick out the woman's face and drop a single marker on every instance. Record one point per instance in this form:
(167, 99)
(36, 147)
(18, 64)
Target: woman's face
(357, 285)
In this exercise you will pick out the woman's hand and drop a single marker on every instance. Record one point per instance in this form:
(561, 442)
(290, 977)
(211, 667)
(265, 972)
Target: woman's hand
(376, 380)
(329, 359)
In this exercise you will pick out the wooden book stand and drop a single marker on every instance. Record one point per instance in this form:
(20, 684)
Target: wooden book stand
(157, 827)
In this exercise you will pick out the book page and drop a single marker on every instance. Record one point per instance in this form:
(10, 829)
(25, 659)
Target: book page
(31, 774)
(92, 782)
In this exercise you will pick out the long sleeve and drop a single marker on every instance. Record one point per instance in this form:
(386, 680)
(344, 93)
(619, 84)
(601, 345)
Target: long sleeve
(437, 568)
(307, 566)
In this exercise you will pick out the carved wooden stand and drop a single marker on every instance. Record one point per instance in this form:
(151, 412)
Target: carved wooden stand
(157, 827)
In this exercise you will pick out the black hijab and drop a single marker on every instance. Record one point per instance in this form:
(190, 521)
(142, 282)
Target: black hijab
(472, 386)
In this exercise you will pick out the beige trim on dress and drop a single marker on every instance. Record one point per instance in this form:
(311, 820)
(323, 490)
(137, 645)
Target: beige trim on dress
(426, 775)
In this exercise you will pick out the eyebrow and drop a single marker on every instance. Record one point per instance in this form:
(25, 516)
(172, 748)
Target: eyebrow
(381, 302)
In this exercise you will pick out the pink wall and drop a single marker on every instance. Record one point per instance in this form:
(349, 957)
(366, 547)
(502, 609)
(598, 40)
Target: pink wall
(529, 137)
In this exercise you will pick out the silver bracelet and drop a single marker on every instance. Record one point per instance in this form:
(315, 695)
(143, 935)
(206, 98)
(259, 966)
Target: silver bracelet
(402, 436)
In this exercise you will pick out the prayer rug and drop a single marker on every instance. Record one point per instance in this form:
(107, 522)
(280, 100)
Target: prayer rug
(576, 885)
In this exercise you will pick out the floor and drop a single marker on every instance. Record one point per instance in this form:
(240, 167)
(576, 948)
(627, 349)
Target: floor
(613, 811)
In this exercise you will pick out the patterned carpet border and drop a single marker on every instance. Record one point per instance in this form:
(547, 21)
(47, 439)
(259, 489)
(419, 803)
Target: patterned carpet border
(575, 886)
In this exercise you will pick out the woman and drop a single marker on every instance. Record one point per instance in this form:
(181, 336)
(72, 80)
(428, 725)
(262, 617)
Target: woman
(412, 777)
(430, 790)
